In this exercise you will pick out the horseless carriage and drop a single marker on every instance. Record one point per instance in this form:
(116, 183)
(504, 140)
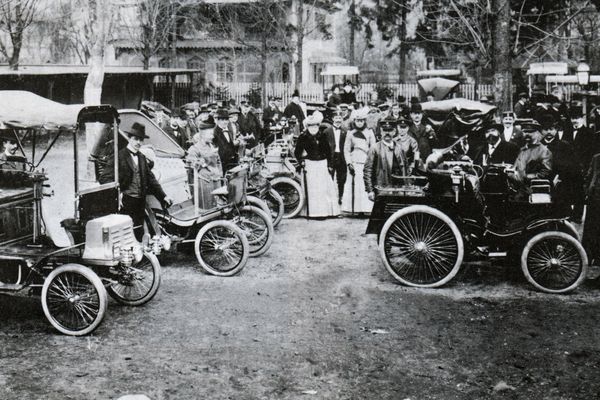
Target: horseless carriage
(428, 223)
(224, 227)
(69, 247)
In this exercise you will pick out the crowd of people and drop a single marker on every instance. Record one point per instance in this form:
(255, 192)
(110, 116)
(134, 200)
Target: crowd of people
(346, 150)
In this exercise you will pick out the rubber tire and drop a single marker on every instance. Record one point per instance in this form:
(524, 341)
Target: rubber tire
(153, 289)
(257, 251)
(245, 248)
(436, 213)
(91, 276)
(564, 236)
(285, 181)
(259, 203)
(276, 198)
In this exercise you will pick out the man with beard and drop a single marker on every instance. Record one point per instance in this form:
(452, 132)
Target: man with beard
(564, 165)
(534, 160)
(585, 145)
(424, 134)
(336, 135)
(496, 150)
(384, 159)
(225, 142)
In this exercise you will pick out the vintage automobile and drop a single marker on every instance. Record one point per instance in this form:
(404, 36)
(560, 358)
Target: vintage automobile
(68, 246)
(445, 212)
(183, 222)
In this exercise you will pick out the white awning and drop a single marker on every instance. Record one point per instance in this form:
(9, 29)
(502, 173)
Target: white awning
(340, 70)
(548, 68)
(569, 79)
(439, 72)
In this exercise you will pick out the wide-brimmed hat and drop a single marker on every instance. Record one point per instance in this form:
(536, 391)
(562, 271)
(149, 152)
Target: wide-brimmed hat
(547, 121)
(6, 134)
(137, 130)
(576, 112)
(361, 113)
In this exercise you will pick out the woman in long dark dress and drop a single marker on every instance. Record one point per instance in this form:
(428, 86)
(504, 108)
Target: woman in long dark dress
(313, 153)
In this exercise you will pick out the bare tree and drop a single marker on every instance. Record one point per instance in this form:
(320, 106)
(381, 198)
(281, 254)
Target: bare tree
(15, 17)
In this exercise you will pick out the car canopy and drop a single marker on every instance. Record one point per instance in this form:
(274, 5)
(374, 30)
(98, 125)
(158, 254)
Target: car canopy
(25, 110)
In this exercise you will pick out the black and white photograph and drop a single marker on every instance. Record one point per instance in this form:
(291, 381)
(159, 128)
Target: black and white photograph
(299, 199)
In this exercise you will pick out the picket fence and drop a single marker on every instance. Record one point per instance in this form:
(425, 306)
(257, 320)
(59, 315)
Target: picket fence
(313, 92)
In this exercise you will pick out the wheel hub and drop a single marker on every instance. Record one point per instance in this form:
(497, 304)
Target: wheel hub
(74, 299)
(553, 262)
(421, 247)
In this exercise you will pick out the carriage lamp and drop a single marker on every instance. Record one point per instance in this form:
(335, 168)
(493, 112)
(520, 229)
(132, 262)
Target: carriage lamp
(583, 73)
(456, 181)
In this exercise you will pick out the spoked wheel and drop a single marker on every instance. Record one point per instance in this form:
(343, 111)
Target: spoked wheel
(74, 299)
(137, 284)
(258, 203)
(257, 227)
(276, 206)
(221, 248)
(292, 193)
(421, 246)
(554, 262)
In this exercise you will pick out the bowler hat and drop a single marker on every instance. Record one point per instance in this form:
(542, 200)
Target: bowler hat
(222, 113)
(416, 108)
(137, 130)
(296, 93)
(522, 95)
(495, 126)
(205, 125)
(576, 112)
(401, 99)
(414, 100)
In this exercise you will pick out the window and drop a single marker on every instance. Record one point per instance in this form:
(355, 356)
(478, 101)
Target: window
(317, 68)
(224, 71)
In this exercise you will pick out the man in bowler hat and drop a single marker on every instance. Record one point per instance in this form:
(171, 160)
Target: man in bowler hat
(225, 141)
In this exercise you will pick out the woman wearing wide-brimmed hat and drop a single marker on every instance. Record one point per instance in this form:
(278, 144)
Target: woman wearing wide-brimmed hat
(314, 155)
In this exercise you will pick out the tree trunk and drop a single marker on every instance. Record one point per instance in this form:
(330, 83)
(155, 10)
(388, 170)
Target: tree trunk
(263, 71)
(403, 50)
(352, 13)
(501, 55)
(101, 18)
(13, 61)
(299, 11)
(92, 94)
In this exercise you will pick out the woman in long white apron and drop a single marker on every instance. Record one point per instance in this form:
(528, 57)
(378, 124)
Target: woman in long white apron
(313, 152)
(358, 142)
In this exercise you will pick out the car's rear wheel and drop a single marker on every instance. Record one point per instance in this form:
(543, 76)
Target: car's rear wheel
(276, 205)
(221, 248)
(292, 193)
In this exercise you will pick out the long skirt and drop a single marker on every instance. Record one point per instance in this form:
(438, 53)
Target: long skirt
(362, 204)
(321, 192)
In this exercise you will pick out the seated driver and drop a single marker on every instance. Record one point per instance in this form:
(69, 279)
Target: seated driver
(9, 159)
(534, 161)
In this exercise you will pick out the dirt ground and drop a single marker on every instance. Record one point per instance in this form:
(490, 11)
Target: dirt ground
(317, 317)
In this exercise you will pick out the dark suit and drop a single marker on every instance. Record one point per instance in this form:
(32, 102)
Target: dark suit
(339, 161)
(505, 152)
(228, 152)
(249, 124)
(294, 109)
(135, 206)
(516, 137)
(422, 137)
(271, 115)
(584, 146)
(564, 165)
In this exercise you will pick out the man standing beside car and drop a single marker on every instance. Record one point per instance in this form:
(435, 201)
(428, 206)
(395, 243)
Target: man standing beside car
(136, 179)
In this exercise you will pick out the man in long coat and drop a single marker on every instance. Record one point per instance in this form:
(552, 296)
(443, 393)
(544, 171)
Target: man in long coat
(225, 142)
(294, 108)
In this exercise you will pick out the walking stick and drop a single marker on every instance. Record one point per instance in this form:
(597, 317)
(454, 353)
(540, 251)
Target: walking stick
(306, 191)
(353, 194)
